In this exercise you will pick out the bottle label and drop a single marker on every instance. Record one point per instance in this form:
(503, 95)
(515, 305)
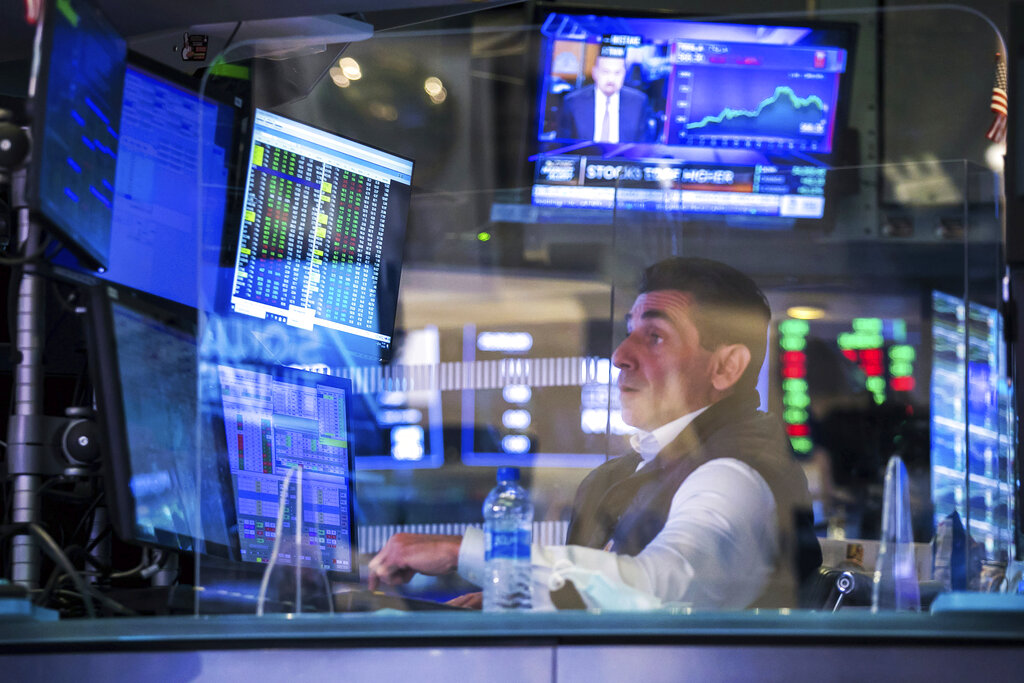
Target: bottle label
(513, 544)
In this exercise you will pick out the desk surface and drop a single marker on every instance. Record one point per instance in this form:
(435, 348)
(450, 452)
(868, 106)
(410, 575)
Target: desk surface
(555, 647)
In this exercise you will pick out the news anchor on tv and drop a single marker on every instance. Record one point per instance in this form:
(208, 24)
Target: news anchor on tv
(607, 110)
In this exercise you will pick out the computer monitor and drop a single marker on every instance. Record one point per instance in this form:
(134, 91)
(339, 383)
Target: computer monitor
(143, 359)
(167, 221)
(275, 420)
(322, 233)
(972, 435)
(712, 119)
(75, 92)
(195, 460)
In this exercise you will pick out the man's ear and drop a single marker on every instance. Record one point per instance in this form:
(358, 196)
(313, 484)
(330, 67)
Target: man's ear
(728, 365)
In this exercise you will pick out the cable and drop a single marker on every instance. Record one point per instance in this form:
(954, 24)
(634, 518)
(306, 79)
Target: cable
(298, 542)
(66, 304)
(231, 37)
(22, 260)
(141, 567)
(112, 605)
(88, 511)
(265, 581)
(43, 596)
(96, 541)
(57, 575)
(85, 591)
(52, 482)
(28, 258)
(428, 20)
(161, 560)
(58, 556)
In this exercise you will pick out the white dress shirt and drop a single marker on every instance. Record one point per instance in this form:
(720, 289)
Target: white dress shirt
(613, 116)
(717, 549)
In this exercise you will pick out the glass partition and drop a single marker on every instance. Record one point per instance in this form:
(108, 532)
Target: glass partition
(878, 348)
(881, 263)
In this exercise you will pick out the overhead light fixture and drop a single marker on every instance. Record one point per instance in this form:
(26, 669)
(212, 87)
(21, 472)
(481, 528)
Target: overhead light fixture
(433, 86)
(339, 78)
(350, 68)
(435, 89)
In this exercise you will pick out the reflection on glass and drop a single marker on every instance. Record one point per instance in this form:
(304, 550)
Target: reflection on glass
(513, 384)
(971, 447)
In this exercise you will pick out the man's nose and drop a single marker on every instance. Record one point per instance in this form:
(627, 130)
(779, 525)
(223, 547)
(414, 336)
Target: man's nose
(621, 356)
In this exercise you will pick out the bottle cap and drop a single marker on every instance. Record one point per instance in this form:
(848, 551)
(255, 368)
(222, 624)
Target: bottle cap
(508, 474)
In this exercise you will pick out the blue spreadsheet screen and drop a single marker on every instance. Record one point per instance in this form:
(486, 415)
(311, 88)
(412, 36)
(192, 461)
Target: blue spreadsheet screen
(273, 424)
(170, 192)
(77, 143)
(321, 215)
(169, 136)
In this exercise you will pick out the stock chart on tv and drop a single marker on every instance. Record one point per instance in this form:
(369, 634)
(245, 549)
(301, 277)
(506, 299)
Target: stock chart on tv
(656, 114)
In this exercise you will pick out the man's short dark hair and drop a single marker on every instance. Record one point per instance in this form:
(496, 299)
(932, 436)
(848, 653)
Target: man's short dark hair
(731, 309)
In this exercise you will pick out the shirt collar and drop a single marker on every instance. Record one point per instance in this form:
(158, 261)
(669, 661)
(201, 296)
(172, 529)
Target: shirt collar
(649, 444)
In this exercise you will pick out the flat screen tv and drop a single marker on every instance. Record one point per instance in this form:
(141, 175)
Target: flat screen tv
(688, 117)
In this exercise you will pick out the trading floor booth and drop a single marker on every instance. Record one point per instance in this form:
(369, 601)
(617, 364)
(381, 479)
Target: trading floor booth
(324, 276)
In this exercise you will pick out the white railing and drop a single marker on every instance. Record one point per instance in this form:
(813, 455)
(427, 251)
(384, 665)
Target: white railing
(373, 536)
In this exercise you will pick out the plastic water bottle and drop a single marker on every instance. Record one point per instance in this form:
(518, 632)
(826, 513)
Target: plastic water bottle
(508, 528)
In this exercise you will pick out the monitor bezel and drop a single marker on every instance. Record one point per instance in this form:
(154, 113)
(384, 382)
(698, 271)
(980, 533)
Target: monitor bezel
(116, 464)
(104, 364)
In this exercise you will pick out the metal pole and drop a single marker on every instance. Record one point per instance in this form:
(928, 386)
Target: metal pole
(26, 440)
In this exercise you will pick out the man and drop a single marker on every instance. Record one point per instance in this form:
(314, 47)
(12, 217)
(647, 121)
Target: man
(711, 509)
(605, 111)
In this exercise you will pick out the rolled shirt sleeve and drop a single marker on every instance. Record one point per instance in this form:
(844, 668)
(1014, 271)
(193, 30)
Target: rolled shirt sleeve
(717, 549)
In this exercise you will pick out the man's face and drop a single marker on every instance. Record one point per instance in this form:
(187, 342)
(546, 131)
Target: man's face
(608, 74)
(664, 372)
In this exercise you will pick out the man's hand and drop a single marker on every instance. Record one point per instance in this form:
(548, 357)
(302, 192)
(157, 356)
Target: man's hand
(406, 554)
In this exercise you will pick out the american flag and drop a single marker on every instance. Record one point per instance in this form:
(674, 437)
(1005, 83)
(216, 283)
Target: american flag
(997, 130)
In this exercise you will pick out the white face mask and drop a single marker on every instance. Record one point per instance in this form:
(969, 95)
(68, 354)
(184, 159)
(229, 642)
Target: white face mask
(600, 592)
